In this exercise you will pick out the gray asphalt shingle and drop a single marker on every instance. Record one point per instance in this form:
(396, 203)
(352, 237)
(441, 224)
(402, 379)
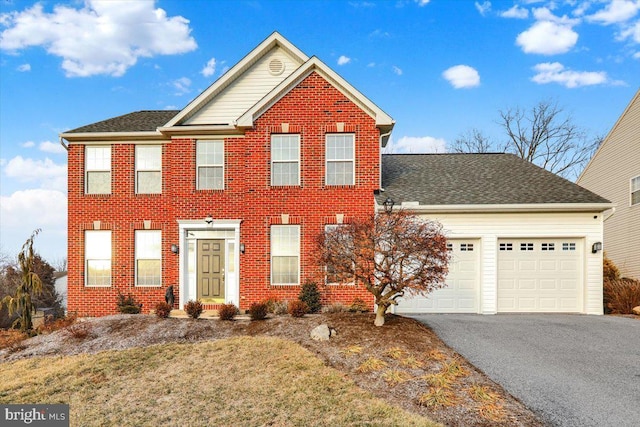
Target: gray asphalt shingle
(138, 121)
(475, 179)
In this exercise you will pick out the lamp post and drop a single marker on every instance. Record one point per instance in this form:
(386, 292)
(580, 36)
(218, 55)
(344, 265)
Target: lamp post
(388, 205)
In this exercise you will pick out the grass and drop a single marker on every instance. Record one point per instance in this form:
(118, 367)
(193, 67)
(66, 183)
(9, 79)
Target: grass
(394, 377)
(437, 397)
(372, 364)
(213, 383)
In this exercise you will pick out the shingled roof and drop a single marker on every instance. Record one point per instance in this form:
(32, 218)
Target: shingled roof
(475, 179)
(139, 121)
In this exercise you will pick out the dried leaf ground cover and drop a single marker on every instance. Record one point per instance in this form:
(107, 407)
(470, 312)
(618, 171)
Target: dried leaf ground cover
(403, 363)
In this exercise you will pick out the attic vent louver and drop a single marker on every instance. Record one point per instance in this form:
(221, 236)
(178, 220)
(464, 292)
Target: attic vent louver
(276, 67)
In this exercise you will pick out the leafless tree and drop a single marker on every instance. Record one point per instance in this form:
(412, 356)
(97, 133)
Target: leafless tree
(392, 255)
(547, 138)
(474, 141)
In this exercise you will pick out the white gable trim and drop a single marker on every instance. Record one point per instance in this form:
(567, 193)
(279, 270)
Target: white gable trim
(236, 71)
(314, 64)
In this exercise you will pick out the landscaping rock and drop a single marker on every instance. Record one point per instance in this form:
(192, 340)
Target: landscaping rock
(636, 310)
(321, 333)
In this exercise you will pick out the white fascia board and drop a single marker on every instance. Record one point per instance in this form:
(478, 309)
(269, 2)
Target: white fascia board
(539, 207)
(236, 71)
(199, 130)
(382, 119)
(111, 137)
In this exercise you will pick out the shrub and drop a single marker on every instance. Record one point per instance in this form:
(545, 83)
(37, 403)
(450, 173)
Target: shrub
(358, 306)
(620, 296)
(310, 295)
(193, 308)
(298, 308)
(227, 311)
(334, 308)
(128, 304)
(163, 309)
(609, 270)
(57, 324)
(80, 330)
(258, 310)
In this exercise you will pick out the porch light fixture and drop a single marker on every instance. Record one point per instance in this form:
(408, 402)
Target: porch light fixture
(175, 249)
(242, 247)
(388, 205)
(208, 220)
(596, 247)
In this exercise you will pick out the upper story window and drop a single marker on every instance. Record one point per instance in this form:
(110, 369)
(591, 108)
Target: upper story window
(210, 165)
(97, 170)
(285, 160)
(340, 158)
(635, 190)
(285, 254)
(148, 257)
(97, 255)
(148, 169)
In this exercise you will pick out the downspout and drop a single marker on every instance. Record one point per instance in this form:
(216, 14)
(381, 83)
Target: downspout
(384, 135)
(606, 217)
(66, 147)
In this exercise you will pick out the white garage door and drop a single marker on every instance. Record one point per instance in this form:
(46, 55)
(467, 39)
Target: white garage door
(540, 275)
(461, 293)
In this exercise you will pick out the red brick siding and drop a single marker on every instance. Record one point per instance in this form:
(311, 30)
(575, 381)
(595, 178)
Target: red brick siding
(311, 109)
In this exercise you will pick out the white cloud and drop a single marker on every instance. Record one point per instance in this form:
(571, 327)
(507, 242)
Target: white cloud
(397, 70)
(636, 55)
(52, 147)
(24, 68)
(516, 12)
(462, 76)
(28, 144)
(47, 173)
(182, 85)
(483, 8)
(422, 2)
(417, 144)
(616, 12)
(343, 60)
(554, 72)
(103, 37)
(632, 32)
(547, 38)
(209, 68)
(371, 64)
(25, 209)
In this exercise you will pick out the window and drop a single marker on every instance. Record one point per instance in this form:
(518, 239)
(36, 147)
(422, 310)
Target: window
(331, 273)
(635, 190)
(449, 247)
(548, 246)
(466, 247)
(98, 170)
(97, 253)
(148, 169)
(148, 258)
(526, 246)
(506, 246)
(285, 254)
(210, 165)
(568, 246)
(285, 160)
(340, 159)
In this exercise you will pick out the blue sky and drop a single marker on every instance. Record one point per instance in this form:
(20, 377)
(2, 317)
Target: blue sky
(438, 67)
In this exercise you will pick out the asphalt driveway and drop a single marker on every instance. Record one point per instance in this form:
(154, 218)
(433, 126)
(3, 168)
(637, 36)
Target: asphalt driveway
(572, 370)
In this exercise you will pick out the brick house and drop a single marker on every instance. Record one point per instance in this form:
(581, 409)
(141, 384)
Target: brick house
(225, 198)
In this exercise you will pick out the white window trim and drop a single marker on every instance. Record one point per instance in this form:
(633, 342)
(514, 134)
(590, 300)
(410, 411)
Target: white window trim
(87, 170)
(632, 190)
(327, 160)
(137, 258)
(297, 184)
(271, 255)
(221, 141)
(86, 259)
(137, 169)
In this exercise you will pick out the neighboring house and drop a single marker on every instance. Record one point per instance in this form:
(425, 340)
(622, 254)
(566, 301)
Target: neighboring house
(522, 238)
(60, 285)
(614, 172)
(224, 199)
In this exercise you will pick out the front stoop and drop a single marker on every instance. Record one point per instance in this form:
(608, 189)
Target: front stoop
(206, 314)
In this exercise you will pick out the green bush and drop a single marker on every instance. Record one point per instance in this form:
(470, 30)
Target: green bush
(298, 308)
(620, 296)
(227, 311)
(194, 308)
(128, 304)
(163, 309)
(258, 311)
(358, 306)
(311, 296)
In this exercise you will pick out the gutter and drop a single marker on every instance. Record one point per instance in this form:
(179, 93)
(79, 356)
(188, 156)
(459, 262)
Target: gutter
(65, 146)
(494, 208)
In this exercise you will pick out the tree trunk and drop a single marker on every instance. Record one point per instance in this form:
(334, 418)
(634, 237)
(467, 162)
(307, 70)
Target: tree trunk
(380, 311)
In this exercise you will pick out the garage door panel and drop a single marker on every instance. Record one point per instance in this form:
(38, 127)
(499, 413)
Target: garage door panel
(462, 290)
(547, 275)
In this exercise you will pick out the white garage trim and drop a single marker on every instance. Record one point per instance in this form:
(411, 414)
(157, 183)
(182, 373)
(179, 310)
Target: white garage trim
(540, 275)
(462, 293)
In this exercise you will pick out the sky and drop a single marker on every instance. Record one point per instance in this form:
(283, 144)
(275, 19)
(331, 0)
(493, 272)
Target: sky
(439, 67)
